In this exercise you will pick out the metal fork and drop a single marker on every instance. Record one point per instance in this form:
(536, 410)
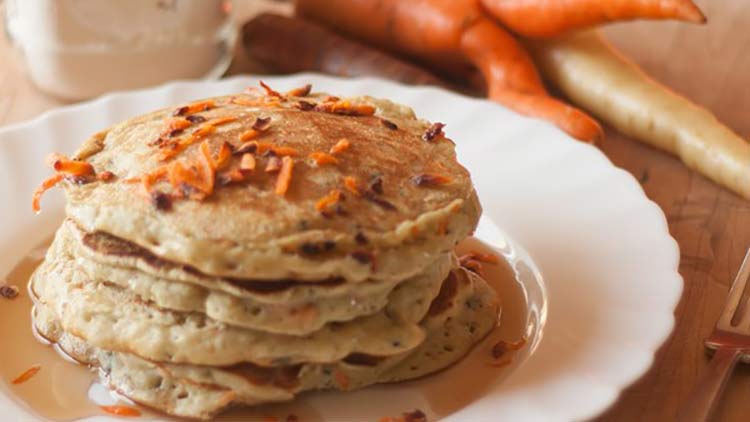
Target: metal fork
(731, 342)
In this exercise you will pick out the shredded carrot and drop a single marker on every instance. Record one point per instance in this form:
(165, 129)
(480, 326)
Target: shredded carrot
(322, 158)
(247, 162)
(341, 146)
(327, 201)
(61, 164)
(224, 156)
(246, 102)
(150, 178)
(26, 375)
(176, 174)
(194, 108)
(176, 148)
(46, 185)
(220, 120)
(346, 108)
(204, 129)
(269, 91)
(233, 176)
(249, 134)
(174, 124)
(302, 91)
(351, 185)
(341, 379)
(254, 146)
(285, 176)
(206, 171)
(283, 151)
(122, 411)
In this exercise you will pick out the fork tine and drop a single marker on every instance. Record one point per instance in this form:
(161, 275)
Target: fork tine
(735, 293)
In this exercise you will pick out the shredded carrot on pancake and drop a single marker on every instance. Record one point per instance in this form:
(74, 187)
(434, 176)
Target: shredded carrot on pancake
(285, 175)
(329, 200)
(341, 146)
(322, 158)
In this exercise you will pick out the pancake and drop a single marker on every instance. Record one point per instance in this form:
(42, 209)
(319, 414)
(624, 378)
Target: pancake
(422, 205)
(114, 318)
(464, 312)
(284, 317)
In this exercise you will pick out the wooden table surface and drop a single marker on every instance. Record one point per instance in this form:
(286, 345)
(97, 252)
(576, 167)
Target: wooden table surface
(709, 64)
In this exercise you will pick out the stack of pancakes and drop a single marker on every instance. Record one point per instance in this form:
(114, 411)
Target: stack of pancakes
(335, 271)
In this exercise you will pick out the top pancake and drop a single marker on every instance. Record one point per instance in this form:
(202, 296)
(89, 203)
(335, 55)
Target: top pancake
(247, 230)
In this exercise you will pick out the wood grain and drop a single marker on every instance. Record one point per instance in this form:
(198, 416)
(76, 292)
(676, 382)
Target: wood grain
(709, 64)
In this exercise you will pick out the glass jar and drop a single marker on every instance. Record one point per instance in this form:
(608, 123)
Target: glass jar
(78, 49)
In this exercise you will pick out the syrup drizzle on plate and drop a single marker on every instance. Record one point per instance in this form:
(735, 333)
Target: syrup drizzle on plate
(64, 390)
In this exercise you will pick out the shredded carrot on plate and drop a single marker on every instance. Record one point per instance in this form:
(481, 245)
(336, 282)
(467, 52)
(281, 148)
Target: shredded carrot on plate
(26, 375)
(122, 411)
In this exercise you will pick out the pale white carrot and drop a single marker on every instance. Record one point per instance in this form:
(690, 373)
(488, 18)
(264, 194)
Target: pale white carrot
(597, 78)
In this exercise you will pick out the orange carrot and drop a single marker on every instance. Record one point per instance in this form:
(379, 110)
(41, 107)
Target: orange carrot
(454, 34)
(548, 18)
(26, 375)
(285, 176)
(122, 411)
(46, 185)
(512, 80)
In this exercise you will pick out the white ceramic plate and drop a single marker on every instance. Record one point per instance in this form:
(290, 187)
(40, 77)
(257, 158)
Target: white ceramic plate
(608, 261)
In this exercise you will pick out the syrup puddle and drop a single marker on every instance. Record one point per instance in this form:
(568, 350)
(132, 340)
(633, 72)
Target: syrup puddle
(64, 390)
